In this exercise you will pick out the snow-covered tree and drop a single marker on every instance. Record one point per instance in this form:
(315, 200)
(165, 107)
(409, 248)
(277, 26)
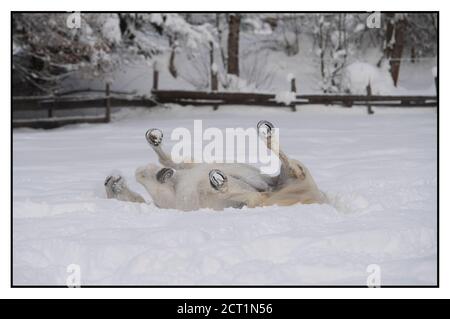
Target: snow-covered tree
(336, 37)
(422, 35)
(192, 39)
(237, 48)
(47, 48)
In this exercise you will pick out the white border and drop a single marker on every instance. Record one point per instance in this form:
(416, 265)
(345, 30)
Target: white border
(207, 5)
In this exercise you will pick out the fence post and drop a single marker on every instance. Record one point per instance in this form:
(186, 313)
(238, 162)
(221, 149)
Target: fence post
(436, 82)
(155, 76)
(107, 104)
(52, 106)
(291, 79)
(369, 94)
(214, 80)
(293, 85)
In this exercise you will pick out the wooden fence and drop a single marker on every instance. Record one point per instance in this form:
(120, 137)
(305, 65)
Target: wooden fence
(67, 101)
(108, 99)
(216, 99)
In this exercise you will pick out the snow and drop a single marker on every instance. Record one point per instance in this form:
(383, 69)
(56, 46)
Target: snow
(214, 68)
(238, 84)
(379, 172)
(156, 18)
(434, 71)
(174, 24)
(257, 25)
(290, 77)
(193, 67)
(359, 74)
(359, 27)
(285, 97)
(111, 29)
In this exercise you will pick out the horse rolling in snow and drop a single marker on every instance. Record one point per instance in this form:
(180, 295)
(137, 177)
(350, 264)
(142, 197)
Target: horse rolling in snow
(191, 186)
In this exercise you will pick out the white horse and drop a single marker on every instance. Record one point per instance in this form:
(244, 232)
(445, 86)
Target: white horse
(191, 186)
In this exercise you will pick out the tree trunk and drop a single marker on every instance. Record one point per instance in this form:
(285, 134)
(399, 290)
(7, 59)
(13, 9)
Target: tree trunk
(395, 41)
(400, 32)
(172, 68)
(219, 27)
(234, 24)
(413, 54)
(389, 34)
(322, 51)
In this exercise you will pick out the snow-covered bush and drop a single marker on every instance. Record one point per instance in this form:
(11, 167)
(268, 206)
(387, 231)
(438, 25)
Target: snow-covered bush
(358, 75)
(337, 36)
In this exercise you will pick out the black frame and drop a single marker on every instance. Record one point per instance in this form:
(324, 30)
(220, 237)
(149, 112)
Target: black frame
(12, 285)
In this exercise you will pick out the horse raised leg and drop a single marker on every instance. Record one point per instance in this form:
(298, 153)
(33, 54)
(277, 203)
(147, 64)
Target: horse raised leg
(289, 168)
(117, 188)
(154, 137)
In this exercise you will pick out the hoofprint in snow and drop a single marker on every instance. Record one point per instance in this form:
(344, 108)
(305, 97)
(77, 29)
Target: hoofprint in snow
(379, 171)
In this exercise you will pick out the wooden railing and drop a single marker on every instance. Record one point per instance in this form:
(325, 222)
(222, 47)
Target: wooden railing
(108, 99)
(217, 99)
(68, 101)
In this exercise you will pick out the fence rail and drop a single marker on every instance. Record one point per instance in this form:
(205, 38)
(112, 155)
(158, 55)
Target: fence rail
(223, 98)
(66, 101)
(75, 99)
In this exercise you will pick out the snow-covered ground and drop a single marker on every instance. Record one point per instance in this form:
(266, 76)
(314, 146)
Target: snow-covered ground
(379, 171)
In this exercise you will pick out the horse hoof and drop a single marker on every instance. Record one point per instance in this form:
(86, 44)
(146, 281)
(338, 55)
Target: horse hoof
(217, 179)
(154, 136)
(265, 127)
(115, 183)
(164, 174)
